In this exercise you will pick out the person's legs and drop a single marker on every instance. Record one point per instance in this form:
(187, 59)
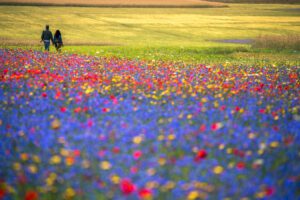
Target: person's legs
(47, 46)
(59, 46)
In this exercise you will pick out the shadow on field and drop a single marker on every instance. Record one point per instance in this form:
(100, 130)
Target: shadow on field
(19, 42)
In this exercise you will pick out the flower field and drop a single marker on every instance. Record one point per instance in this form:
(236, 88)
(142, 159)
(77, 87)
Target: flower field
(87, 127)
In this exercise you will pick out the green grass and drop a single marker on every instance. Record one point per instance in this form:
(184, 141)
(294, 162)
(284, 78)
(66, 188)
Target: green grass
(209, 55)
(186, 34)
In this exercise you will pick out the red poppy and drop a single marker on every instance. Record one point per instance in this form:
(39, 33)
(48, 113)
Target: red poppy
(127, 187)
(8, 126)
(276, 128)
(238, 153)
(63, 109)
(76, 152)
(202, 128)
(201, 154)
(85, 109)
(288, 140)
(90, 123)
(2, 193)
(77, 110)
(269, 191)
(262, 111)
(137, 154)
(44, 94)
(216, 126)
(101, 153)
(22, 179)
(240, 165)
(144, 193)
(105, 110)
(57, 95)
(134, 169)
(31, 195)
(116, 150)
(222, 108)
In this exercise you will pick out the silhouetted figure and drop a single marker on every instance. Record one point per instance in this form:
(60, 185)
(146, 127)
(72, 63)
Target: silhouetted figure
(46, 37)
(58, 40)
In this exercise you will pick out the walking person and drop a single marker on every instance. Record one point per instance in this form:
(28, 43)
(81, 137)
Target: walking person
(47, 37)
(58, 40)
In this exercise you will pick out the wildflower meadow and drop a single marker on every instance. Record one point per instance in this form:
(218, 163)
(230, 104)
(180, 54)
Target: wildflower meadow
(87, 127)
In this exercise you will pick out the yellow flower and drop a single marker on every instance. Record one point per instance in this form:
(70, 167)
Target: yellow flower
(260, 195)
(137, 139)
(17, 166)
(55, 159)
(105, 165)
(151, 171)
(89, 90)
(49, 181)
(216, 104)
(251, 135)
(162, 161)
(10, 189)
(258, 162)
(24, 156)
(64, 152)
(115, 179)
(221, 146)
(152, 184)
(171, 137)
(189, 116)
(229, 150)
(260, 151)
(32, 169)
(36, 159)
(274, 144)
(160, 137)
(218, 170)
(53, 176)
(193, 195)
(69, 160)
(204, 100)
(231, 165)
(69, 193)
(55, 124)
(170, 185)
(85, 164)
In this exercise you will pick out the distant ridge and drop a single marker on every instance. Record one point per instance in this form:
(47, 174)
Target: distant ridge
(117, 3)
(259, 1)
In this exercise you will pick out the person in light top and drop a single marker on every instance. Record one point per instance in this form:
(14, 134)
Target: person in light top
(46, 38)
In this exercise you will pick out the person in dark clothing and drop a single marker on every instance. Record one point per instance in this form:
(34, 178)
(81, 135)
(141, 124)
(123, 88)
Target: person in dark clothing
(58, 40)
(47, 37)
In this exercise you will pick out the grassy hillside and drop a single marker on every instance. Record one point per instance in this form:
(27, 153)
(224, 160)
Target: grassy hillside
(147, 27)
(200, 35)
